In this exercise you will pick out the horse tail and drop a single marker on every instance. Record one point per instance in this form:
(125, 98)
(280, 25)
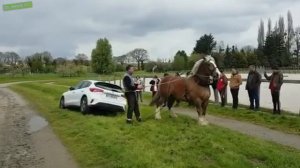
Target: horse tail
(155, 99)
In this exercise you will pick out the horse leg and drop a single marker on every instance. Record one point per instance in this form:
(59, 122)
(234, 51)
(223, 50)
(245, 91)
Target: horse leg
(204, 108)
(200, 112)
(170, 103)
(159, 106)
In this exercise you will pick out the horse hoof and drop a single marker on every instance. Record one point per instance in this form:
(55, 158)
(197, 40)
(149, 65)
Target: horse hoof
(203, 122)
(157, 117)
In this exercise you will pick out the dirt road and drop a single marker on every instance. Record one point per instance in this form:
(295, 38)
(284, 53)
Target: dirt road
(26, 140)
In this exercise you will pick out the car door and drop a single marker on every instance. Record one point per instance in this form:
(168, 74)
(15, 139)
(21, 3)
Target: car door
(71, 95)
(80, 92)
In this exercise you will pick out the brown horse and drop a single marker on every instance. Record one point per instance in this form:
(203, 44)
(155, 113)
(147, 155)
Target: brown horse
(194, 88)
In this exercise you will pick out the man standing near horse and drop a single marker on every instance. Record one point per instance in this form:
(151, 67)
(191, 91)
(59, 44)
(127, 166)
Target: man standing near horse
(130, 94)
(276, 80)
(253, 85)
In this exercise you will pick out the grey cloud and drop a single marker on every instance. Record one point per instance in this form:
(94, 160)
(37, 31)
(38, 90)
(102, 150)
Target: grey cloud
(60, 26)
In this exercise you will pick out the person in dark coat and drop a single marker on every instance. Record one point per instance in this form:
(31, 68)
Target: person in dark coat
(214, 87)
(130, 94)
(253, 85)
(276, 80)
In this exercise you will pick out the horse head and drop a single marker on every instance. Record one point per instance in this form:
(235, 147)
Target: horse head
(207, 69)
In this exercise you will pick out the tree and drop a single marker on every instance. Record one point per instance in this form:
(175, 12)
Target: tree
(180, 61)
(290, 32)
(102, 57)
(35, 63)
(228, 58)
(297, 42)
(252, 58)
(9, 58)
(275, 50)
(81, 59)
(40, 62)
(59, 61)
(193, 58)
(182, 54)
(261, 34)
(140, 55)
(269, 27)
(120, 59)
(281, 26)
(205, 44)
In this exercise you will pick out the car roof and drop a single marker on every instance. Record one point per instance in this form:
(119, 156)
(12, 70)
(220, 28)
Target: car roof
(93, 81)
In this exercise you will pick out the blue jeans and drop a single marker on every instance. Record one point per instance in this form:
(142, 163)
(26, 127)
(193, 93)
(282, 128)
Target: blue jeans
(254, 98)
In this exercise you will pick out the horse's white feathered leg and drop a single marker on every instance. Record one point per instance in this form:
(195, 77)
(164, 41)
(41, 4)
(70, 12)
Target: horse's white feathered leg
(157, 113)
(202, 120)
(173, 113)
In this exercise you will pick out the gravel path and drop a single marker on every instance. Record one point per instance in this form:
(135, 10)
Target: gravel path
(248, 128)
(26, 140)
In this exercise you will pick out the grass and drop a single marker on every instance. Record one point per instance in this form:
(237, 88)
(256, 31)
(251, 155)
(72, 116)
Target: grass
(106, 141)
(289, 123)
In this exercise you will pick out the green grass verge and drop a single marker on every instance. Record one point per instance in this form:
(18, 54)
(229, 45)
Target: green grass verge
(106, 141)
(289, 123)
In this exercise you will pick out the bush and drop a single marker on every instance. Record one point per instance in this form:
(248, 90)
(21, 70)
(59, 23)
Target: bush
(71, 70)
(161, 66)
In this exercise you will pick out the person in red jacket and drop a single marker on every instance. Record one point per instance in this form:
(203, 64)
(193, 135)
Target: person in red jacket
(222, 86)
(276, 80)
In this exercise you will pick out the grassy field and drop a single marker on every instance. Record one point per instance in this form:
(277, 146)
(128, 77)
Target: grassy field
(106, 141)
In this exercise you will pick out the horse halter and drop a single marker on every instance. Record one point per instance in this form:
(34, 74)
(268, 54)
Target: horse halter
(206, 80)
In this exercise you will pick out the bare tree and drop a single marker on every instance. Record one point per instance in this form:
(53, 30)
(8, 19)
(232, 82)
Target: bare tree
(140, 55)
(81, 59)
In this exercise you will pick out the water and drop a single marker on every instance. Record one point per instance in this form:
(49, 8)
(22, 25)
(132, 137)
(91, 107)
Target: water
(289, 95)
(37, 123)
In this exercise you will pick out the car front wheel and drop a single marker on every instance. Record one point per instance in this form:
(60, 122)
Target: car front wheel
(62, 103)
(84, 108)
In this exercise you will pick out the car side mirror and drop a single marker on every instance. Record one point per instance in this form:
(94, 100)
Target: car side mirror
(71, 88)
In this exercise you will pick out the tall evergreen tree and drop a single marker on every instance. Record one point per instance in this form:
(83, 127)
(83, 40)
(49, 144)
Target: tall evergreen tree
(205, 44)
(269, 27)
(180, 60)
(261, 34)
(275, 50)
(281, 26)
(297, 42)
(290, 32)
(228, 58)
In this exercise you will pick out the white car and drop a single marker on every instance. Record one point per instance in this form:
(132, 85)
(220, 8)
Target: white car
(91, 93)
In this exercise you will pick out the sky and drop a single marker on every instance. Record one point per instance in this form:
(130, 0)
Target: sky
(162, 27)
